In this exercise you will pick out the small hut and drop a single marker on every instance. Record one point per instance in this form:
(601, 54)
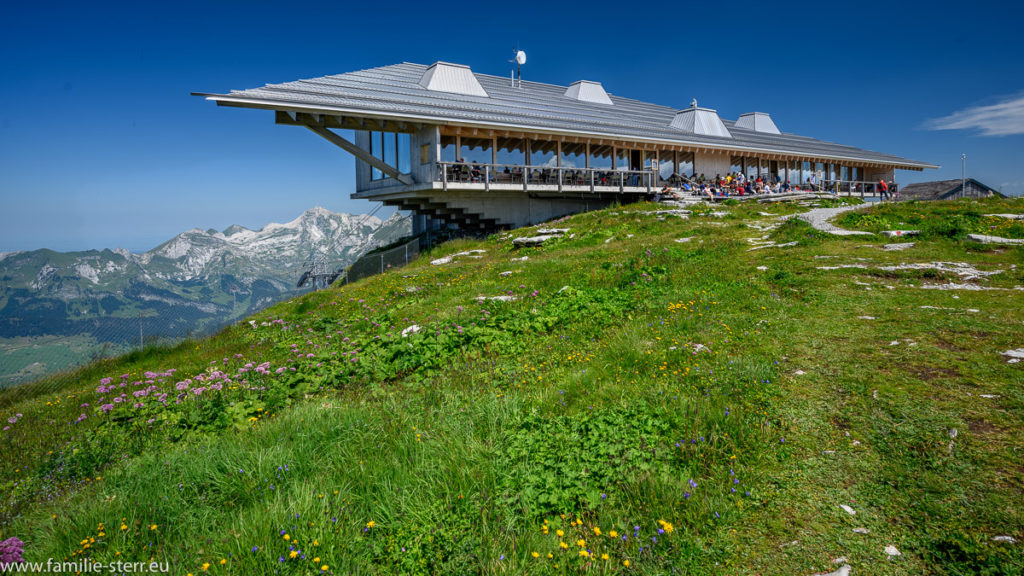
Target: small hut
(947, 190)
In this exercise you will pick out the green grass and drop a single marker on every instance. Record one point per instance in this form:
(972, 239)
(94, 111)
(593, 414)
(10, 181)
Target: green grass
(633, 384)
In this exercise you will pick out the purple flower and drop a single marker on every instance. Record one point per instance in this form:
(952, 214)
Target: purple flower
(107, 408)
(12, 420)
(10, 551)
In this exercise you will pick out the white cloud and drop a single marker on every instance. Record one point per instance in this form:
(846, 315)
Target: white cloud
(1002, 119)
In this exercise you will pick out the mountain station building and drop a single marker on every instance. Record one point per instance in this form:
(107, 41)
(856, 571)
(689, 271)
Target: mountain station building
(483, 152)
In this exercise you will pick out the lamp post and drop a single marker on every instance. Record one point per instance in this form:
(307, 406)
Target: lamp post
(963, 174)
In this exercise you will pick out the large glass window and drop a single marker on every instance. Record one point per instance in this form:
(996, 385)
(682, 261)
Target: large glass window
(844, 173)
(392, 149)
(666, 164)
(684, 163)
(543, 153)
(404, 153)
(855, 174)
(750, 164)
(765, 172)
(377, 150)
(574, 155)
(448, 149)
(622, 158)
(512, 151)
(601, 157)
(805, 172)
(793, 172)
(736, 165)
(476, 150)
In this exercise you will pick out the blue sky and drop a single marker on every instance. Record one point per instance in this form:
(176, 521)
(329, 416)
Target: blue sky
(101, 144)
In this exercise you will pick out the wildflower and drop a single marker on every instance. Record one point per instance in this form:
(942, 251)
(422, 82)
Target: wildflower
(323, 568)
(604, 556)
(581, 542)
(559, 533)
(206, 566)
(625, 563)
(597, 531)
(316, 560)
(584, 553)
(613, 534)
(370, 524)
(535, 555)
(293, 554)
(550, 555)
(287, 537)
(563, 545)
(223, 561)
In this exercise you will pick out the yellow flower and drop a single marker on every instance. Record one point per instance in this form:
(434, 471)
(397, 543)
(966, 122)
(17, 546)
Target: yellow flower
(563, 545)
(550, 555)
(625, 563)
(560, 533)
(324, 568)
(124, 527)
(581, 542)
(370, 524)
(223, 561)
(613, 534)
(536, 555)
(316, 560)
(287, 537)
(152, 527)
(293, 553)
(206, 565)
(584, 553)
(316, 542)
(597, 531)
(604, 556)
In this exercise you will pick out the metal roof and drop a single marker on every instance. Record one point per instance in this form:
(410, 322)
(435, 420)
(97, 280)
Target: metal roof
(395, 92)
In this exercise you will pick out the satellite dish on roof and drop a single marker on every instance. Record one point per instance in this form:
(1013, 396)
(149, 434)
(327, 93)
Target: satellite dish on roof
(520, 57)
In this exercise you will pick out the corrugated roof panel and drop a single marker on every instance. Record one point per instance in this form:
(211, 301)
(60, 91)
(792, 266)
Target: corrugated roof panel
(587, 91)
(453, 78)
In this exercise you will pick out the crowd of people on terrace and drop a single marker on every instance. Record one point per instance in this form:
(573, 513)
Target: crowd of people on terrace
(737, 184)
(733, 184)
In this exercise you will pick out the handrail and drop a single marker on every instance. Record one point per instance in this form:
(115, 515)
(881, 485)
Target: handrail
(562, 176)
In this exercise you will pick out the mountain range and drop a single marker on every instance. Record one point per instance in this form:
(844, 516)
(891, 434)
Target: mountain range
(59, 308)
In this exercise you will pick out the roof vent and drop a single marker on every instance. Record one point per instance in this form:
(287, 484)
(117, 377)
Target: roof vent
(453, 78)
(758, 122)
(703, 121)
(587, 91)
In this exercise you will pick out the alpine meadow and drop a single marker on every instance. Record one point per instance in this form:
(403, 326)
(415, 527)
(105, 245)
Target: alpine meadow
(653, 391)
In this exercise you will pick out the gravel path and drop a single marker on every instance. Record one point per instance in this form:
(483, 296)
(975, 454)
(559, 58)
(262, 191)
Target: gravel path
(819, 219)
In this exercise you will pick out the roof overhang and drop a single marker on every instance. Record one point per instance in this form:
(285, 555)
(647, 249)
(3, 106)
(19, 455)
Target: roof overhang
(261, 104)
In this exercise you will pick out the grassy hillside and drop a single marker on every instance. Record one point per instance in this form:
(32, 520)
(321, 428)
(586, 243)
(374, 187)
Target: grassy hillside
(649, 395)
